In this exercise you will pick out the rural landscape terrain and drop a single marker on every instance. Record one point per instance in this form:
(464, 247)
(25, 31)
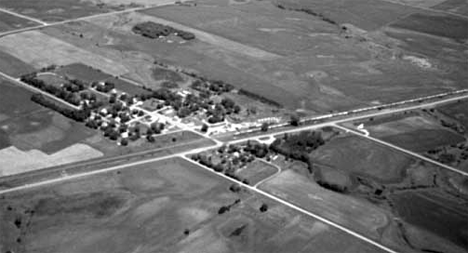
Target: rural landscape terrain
(222, 126)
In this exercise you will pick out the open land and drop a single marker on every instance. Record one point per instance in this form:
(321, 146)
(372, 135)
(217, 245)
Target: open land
(10, 22)
(439, 133)
(342, 70)
(370, 198)
(134, 209)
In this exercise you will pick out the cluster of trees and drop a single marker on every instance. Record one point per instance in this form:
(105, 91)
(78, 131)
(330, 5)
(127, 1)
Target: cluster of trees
(154, 30)
(298, 146)
(78, 115)
(259, 150)
(213, 87)
(67, 92)
(106, 87)
(227, 208)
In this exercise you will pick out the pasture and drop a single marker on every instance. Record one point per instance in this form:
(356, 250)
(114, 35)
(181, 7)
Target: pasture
(169, 205)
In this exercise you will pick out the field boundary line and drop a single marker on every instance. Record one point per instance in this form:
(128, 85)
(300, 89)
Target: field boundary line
(23, 16)
(297, 208)
(408, 152)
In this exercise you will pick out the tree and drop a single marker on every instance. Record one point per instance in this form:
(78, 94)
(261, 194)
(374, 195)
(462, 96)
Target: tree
(264, 127)
(204, 128)
(124, 142)
(294, 120)
(263, 208)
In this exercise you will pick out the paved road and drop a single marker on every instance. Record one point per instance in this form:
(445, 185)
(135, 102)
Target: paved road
(403, 150)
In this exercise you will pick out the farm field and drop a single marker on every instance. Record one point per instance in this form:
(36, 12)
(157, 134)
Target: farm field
(368, 187)
(33, 137)
(338, 73)
(13, 66)
(10, 22)
(438, 133)
(177, 202)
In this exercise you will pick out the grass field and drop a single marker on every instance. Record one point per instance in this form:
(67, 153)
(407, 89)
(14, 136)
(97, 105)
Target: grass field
(451, 27)
(359, 156)
(256, 171)
(170, 205)
(9, 22)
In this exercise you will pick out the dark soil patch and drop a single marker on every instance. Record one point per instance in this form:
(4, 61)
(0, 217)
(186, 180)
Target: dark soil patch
(445, 26)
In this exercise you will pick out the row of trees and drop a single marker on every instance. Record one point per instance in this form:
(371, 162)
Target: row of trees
(60, 92)
(78, 115)
(154, 30)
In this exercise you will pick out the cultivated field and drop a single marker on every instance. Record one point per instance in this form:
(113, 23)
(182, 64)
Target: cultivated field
(13, 66)
(457, 111)
(171, 205)
(447, 26)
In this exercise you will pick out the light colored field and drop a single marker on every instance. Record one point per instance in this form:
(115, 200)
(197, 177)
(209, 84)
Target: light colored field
(14, 161)
(218, 41)
(418, 3)
(344, 210)
(41, 50)
(133, 2)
